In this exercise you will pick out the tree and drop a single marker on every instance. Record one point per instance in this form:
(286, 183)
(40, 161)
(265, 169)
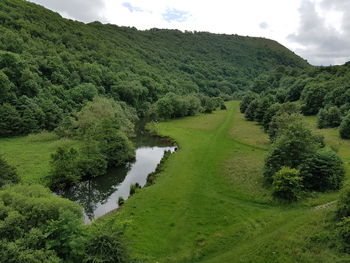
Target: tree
(269, 114)
(344, 129)
(343, 205)
(329, 117)
(64, 168)
(312, 98)
(280, 122)
(322, 171)
(92, 161)
(291, 148)
(263, 105)
(8, 174)
(287, 184)
(10, 120)
(114, 144)
(247, 99)
(251, 110)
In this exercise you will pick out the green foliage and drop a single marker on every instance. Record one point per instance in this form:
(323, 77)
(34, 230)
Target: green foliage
(281, 122)
(263, 105)
(312, 98)
(291, 148)
(344, 129)
(114, 144)
(322, 171)
(329, 117)
(247, 99)
(92, 161)
(100, 110)
(8, 174)
(104, 244)
(343, 232)
(287, 184)
(343, 205)
(64, 168)
(172, 106)
(134, 188)
(269, 114)
(251, 109)
(37, 226)
(121, 201)
(61, 70)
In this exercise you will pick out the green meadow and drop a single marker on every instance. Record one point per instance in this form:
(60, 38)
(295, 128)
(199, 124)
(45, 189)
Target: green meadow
(209, 204)
(31, 154)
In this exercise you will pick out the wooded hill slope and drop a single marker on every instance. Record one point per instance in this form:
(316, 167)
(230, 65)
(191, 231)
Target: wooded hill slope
(50, 66)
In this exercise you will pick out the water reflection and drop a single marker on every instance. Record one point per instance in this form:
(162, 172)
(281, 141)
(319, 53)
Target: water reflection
(100, 195)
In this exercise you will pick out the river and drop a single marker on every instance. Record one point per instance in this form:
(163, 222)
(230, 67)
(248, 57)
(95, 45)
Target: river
(100, 195)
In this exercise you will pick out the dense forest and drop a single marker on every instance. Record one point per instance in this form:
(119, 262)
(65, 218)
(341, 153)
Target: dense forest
(50, 66)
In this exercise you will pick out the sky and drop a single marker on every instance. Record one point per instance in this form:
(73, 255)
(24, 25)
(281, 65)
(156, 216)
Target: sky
(317, 30)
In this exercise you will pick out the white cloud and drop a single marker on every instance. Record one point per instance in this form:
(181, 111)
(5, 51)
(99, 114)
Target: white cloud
(283, 21)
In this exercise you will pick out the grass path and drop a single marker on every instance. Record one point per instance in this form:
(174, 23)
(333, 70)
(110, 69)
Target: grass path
(209, 205)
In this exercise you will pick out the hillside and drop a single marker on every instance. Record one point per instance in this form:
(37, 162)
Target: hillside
(50, 66)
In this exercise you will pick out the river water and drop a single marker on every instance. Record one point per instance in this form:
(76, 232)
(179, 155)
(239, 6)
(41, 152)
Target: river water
(99, 196)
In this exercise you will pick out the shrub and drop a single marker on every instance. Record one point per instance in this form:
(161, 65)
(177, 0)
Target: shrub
(121, 201)
(344, 129)
(37, 226)
(134, 188)
(291, 148)
(329, 118)
(251, 110)
(322, 171)
(64, 168)
(269, 114)
(343, 205)
(8, 174)
(343, 231)
(104, 244)
(92, 162)
(247, 99)
(287, 184)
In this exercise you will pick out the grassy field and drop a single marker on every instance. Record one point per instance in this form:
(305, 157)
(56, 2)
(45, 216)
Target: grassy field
(209, 204)
(31, 154)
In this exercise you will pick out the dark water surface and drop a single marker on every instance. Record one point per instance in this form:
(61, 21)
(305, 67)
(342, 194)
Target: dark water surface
(99, 196)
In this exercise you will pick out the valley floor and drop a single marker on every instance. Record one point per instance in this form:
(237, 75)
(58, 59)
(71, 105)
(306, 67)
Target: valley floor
(209, 204)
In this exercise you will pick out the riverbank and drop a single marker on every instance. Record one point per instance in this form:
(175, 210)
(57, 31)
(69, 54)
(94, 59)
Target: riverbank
(208, 204)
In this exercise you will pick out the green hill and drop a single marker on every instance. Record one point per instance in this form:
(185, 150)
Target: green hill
(50, 66)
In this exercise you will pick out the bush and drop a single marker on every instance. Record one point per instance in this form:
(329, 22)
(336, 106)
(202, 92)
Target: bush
(247, 99)
(64, 168)
(37, 226)
(92, 162)
(8, 174)
(134, 188)
(343, 231)
(121, 201)
(322, 171)
(280, 122)
(251, 110)
(287, 184)
(344, 129)
(104, 244)
(329, 118)
(343, 205)
(290, 149)
(269, 114)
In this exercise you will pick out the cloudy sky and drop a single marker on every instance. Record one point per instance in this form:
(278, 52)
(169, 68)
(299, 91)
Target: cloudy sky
(318, 30)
